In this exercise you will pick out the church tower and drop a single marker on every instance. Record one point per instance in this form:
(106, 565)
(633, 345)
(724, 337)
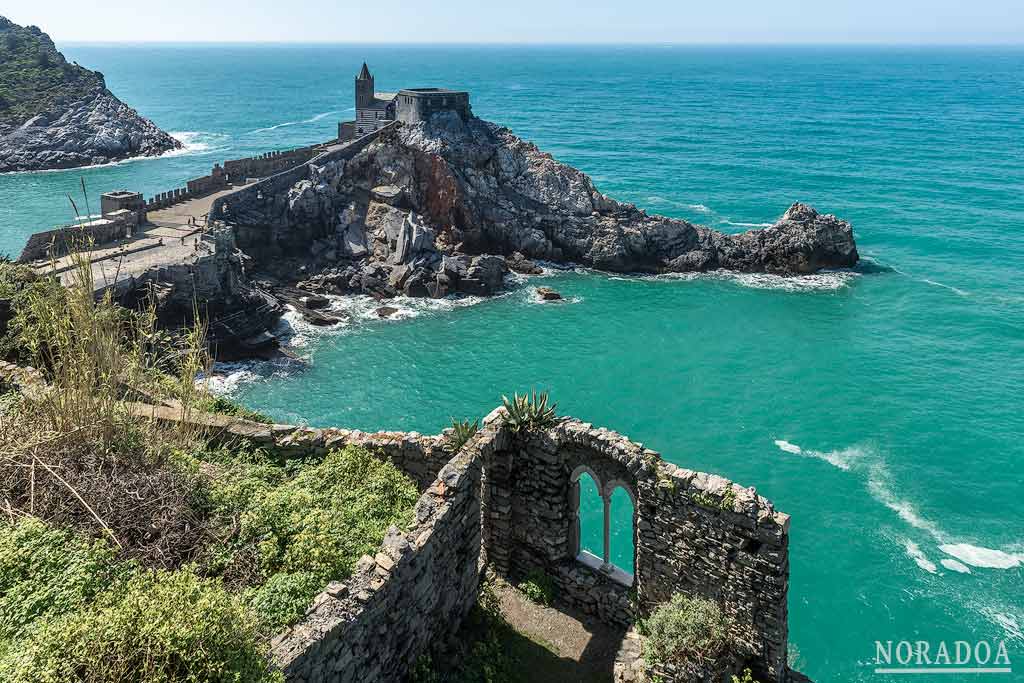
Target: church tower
(364, 88)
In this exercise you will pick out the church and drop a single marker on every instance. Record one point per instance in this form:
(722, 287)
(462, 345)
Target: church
(374, 110)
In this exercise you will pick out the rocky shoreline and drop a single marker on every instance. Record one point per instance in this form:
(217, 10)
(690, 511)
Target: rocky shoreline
(98, 129)
(452, 207)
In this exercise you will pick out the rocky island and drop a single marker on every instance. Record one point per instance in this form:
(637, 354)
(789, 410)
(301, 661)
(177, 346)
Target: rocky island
(416, 197)
(56, 114)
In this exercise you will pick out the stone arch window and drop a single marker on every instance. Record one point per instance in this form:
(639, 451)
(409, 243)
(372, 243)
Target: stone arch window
(604, 563)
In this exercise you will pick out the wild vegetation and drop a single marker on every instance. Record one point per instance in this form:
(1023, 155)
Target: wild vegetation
(134, 550)
(34, 76)
(529, 411)
(690, 633)
(538, 587)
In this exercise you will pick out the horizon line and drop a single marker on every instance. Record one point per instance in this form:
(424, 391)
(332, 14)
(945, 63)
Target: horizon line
(357, 43)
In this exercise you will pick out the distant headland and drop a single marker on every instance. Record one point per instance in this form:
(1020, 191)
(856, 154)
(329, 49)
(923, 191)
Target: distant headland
(56, 114)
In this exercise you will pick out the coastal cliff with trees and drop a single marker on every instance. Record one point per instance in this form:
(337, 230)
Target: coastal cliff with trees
(57, 114)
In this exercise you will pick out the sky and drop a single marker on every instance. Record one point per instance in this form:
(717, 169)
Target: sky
(527, 21)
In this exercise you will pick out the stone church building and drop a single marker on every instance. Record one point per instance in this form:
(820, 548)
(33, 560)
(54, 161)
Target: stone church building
(374, 110)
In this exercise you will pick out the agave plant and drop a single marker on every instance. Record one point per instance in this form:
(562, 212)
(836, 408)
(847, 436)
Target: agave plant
(462, 431)
(529, 411)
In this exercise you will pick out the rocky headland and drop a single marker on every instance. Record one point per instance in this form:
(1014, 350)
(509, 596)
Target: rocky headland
(451, 206)
(55, 114)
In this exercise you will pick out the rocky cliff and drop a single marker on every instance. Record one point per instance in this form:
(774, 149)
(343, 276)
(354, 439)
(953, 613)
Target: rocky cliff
(448, 205)
(54, 114)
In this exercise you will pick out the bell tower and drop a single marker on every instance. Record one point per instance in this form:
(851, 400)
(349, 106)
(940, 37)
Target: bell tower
(364, 88)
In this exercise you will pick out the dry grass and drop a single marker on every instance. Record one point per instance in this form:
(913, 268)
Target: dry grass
(72, 454)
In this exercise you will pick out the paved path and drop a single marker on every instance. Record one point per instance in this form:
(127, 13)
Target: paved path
(167, 238)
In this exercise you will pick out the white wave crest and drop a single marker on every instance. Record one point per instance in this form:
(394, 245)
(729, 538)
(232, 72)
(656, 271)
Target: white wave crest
(945, 286)
(746, 225)
(955, 566)
(823, 281)
(914, 552)
(982, 557)
(658, 199)
(286, 124)
(843, 459)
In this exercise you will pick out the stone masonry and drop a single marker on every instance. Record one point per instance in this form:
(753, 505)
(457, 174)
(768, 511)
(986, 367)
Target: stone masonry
(508, 501)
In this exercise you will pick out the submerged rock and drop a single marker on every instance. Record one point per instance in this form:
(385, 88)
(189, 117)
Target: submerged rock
(386, 311)
(548, 294)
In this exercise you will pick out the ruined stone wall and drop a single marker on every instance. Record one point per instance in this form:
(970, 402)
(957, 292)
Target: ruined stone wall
(407, 600)
(693, 533)
(510, 501)
(704, 535)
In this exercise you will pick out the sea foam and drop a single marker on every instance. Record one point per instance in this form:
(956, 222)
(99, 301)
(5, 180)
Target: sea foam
(982, 557)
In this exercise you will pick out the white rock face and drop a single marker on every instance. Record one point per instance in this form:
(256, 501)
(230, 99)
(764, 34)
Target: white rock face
(95, 130)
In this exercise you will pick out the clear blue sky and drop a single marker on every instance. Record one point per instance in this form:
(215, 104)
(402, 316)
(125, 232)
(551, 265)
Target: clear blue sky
(529, 21)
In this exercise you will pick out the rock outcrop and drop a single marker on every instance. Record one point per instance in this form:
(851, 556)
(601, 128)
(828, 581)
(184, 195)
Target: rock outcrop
(54, 114)
(452, 206)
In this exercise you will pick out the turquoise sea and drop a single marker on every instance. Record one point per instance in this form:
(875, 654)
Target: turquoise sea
(882, 408)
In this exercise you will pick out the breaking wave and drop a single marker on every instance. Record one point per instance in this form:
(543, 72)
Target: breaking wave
(879, 484)
(196, 142)
(823, 281)
(982, 557)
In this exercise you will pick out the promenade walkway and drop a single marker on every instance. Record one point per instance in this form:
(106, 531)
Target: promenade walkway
(169, 237)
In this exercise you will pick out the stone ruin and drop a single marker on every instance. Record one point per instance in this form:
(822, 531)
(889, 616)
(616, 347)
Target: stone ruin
(508, 502)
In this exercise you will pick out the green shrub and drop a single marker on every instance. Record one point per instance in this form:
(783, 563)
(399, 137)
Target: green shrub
(47, 572)
(290, 535)
(162, 627)
(685, 631)
(538, 587)
(282, 599)
(224, 406)
(71, 611)
(462, 431)
(529, 411)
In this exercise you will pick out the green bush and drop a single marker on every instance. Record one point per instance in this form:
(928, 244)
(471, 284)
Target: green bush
(529, 411)
(538, 587)
(292, 535)
(70, 611)
(224, 406)
(163, 627)
(686, 631)
(47, 572)
(283, 598)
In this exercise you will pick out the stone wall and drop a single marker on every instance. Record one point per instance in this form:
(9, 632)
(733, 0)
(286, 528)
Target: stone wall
(509, 501)
(693, 533)
(409, 599)
(704, 535)
(59, 241)
(263, 165)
